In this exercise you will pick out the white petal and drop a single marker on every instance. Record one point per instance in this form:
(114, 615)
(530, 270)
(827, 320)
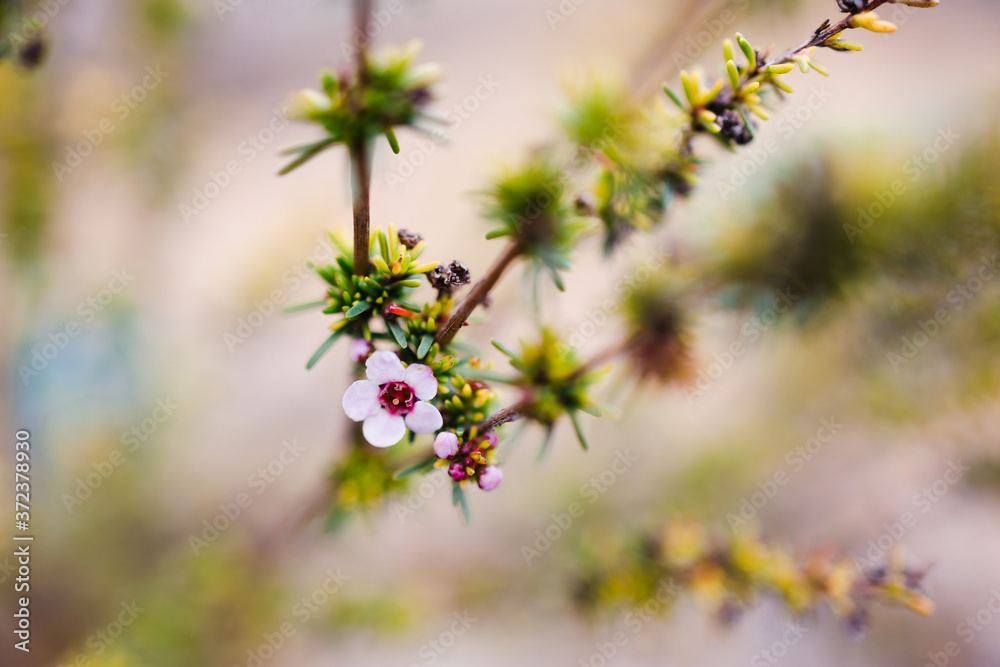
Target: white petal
(445, 444)
(361, 400)
(383, 429)
(421, 381)
(306, 104)
(425, 418)
(384, 366)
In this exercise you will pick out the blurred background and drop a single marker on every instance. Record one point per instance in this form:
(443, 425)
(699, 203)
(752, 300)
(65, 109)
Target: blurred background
(147, 247)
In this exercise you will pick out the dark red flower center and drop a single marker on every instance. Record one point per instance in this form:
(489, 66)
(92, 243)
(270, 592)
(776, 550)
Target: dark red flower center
(397, 398)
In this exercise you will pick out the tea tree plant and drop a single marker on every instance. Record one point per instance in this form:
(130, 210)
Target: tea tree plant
(621, 164)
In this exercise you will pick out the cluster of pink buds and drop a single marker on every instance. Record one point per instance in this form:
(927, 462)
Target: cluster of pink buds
(469, 460)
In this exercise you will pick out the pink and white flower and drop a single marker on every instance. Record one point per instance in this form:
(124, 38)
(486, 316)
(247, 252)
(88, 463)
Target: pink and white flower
(393, 399)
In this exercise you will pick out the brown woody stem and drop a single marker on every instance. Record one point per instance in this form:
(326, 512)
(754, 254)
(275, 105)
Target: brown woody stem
(477, 295)
(361, 183)
(501, 417)
(825, 32)
(821, 36)
(360, 163)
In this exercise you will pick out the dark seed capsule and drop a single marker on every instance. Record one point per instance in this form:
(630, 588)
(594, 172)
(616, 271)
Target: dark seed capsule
(730, 611)
(32, 54)
(585, 203)
(439, 278)
(460, 274)
(733, 127)
(857, 624)
(877, 575)
(409, 239)
(852, 6)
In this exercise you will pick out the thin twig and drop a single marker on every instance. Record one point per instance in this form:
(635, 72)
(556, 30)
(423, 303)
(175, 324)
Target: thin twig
(649, 74)
(477, 295)
(601, 358)
(821, 36)
(361, 183)
(360, 163)
(508, 414)
(825, 32)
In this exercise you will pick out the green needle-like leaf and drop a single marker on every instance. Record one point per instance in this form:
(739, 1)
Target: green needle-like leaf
(335, 520)
(304, 306)
(575, 418)
(397, 332)
(393, 142)
(503, 348)
(458, 498)
(306, 153)
(485, 376)
(425, 346)
(546, 445)
(415, 468)
(673, 97)
(327, 344)
(357, 309)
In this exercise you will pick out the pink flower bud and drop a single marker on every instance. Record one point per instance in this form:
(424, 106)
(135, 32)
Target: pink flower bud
(490, 478)
(360, 349)
(445, 444)
(457, 471)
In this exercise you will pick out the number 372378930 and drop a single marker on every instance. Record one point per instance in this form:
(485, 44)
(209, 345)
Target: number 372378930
(22, 481)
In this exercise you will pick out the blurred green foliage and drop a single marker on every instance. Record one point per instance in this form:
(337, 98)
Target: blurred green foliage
(383, 613)
(25, 176)
(893, 262)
